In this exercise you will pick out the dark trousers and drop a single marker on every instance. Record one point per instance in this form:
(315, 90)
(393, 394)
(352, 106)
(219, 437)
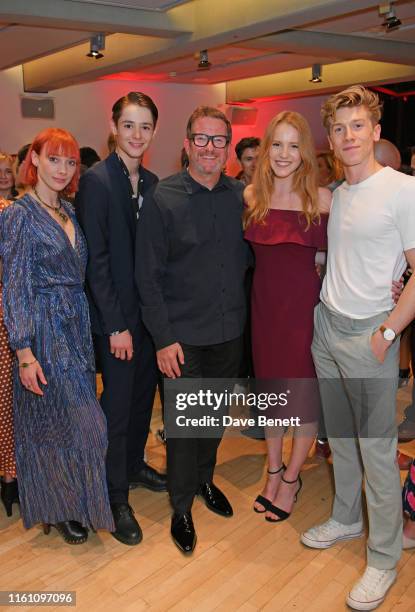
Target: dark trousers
(191, 462)
(127, 401)
(246, 368)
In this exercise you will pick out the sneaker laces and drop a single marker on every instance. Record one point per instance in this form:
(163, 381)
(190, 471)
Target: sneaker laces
(328, 527)
(371, 580)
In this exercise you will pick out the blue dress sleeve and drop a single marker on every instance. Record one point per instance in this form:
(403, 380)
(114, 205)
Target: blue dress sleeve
(16, 252)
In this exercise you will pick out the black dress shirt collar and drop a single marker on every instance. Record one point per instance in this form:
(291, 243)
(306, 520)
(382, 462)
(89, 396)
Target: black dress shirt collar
(192, 186)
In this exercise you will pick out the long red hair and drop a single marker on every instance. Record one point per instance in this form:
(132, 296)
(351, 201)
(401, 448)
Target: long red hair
(305, 182)
(53, 141)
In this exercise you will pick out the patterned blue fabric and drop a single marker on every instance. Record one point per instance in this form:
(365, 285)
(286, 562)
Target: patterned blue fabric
(61, 438)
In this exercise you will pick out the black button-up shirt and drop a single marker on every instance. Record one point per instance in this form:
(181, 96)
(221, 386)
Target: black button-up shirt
(191, 261)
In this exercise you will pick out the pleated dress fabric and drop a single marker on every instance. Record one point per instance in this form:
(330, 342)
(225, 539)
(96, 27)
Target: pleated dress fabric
(7, 461)
(60, 437)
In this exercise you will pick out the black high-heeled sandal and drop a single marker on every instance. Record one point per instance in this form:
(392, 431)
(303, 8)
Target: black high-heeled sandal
(71, 531)
(260, 499)
(9, 495)
(283, 514)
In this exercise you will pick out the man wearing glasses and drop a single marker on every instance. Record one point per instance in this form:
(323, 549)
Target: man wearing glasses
(190, 268)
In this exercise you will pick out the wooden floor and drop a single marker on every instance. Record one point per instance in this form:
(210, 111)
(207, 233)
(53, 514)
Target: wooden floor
(242, 563)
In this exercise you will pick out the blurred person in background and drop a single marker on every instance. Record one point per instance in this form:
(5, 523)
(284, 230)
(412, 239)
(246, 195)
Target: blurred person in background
(7, 177)
(9, 492)
(247, 151)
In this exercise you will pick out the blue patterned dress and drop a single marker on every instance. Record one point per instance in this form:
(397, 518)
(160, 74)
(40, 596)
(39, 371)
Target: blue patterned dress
(61, 437)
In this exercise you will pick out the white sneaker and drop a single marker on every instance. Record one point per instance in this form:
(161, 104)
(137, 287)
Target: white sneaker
(369, 592)
(331, 532)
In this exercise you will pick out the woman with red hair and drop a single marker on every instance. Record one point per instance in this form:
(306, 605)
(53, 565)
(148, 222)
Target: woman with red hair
(60, 430)
(286, 223)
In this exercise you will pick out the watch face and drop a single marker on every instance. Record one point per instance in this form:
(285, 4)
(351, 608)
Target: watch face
(389, 334)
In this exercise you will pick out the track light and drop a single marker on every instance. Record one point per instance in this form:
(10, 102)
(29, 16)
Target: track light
(204, 63)
(391, 21)
(97, 45)
(316, 72)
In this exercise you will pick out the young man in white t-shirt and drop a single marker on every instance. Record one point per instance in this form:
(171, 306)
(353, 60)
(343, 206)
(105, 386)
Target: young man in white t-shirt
(371, 236)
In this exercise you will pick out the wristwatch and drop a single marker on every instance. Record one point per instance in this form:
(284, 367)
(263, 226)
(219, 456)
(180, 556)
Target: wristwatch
(388, 333)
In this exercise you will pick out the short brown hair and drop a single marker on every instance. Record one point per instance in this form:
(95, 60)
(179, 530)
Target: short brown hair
(251, 142)
(356, 95)
(138, 98)
(208, 111)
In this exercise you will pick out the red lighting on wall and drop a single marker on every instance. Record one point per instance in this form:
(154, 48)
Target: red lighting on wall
(394, 94)
(134, 76)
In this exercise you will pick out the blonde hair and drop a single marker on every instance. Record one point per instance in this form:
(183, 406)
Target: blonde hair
(7, 157)
(334, 166)
(305, 182)
(356, 95)
(10, 159)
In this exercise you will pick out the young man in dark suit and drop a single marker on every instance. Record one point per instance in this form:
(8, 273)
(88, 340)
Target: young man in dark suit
(108, 205)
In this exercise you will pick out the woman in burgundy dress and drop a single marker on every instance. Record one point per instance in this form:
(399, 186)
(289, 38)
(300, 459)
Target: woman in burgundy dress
(285, 222)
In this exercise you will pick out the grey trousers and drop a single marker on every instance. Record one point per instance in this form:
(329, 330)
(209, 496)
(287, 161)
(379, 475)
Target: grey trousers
(358, 397)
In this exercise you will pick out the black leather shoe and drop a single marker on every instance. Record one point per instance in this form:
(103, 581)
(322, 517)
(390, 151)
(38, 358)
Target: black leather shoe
(127, 530)
(183, 532)
(148, 478)
(215, 499)
(71, 531)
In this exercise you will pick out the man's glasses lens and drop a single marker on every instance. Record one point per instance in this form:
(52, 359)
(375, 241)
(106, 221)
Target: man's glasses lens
(201, 140)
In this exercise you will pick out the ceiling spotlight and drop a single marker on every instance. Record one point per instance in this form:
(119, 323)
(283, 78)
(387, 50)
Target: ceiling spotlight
(391, 21)
(316, 72)
(96, 46)
(204, 63)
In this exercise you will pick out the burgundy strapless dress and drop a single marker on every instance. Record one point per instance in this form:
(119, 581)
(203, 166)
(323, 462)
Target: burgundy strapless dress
(285, 291)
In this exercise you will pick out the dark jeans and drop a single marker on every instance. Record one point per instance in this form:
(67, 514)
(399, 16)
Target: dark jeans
(127, 401)
(191, 461)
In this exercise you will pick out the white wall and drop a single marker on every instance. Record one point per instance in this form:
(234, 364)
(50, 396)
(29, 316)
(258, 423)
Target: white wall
(85, 110)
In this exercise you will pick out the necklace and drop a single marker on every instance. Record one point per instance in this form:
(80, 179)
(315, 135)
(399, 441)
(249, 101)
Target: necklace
(56, 209)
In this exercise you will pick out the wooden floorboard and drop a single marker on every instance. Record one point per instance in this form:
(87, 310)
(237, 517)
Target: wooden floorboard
(240, 564)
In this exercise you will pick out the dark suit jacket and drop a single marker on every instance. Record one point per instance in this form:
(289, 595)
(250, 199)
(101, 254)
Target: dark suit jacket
(107, 216)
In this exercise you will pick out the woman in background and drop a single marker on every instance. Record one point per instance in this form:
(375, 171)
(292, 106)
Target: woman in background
(286, 223)
(7, 178)
(60, 431)
(9, 493)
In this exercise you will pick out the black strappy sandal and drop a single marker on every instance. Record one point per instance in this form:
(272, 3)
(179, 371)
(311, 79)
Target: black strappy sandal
(283, 514)
(260, 499)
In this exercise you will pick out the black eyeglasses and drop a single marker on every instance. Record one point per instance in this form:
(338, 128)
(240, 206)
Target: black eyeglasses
(202, 140)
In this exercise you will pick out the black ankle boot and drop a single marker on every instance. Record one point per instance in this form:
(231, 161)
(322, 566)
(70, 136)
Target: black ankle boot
(9, 495)
(71, 531)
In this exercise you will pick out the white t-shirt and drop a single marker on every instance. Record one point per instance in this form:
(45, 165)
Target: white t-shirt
(371, 224)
